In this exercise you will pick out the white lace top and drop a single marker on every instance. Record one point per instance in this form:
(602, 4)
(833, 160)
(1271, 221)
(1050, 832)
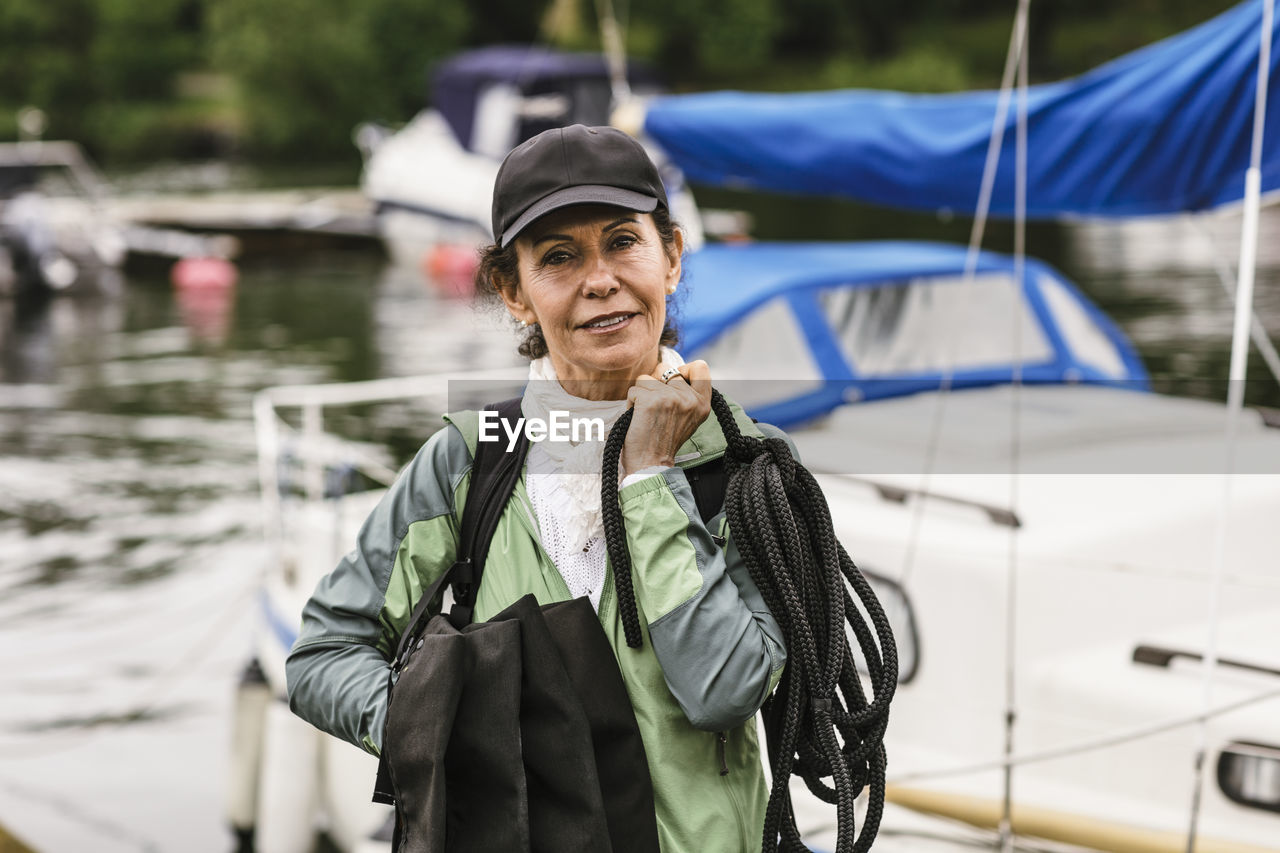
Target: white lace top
(563, 481)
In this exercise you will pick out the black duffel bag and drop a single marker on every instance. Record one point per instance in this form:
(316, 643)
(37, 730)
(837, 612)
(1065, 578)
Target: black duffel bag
(515, 734)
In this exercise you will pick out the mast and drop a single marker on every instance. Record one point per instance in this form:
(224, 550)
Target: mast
(614, 51)
(1235, 392)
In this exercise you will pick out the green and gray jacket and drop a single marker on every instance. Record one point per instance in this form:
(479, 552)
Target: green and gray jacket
(711, 653)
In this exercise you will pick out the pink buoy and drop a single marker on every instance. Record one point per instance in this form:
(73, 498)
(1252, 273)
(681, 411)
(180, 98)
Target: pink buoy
(451, 268)
(203, 274)
(204, 289)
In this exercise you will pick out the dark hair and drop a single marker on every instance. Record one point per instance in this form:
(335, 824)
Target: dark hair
(498, 269)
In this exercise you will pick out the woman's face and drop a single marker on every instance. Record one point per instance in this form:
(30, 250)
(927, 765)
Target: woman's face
(596, 279)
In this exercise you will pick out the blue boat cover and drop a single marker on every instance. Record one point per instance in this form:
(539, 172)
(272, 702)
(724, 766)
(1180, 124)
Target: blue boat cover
(727, 282)
(1167, 128)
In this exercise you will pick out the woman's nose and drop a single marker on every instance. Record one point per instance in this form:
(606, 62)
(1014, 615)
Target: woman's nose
(600, 280)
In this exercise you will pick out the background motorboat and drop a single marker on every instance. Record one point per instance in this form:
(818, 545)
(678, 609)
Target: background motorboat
(59, 235)
(53, 234)
(431, 181)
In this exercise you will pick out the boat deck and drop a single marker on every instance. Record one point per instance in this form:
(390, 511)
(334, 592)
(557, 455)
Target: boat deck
(335, 216)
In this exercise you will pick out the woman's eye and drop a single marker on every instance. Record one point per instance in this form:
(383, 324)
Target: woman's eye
(555, 258)
(623, 241)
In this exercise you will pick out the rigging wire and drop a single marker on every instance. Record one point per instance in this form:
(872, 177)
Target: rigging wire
(614, 52)
(1015, 68)
(998, 126)
(1081, 747)
(1015, 436)
(1235, 396)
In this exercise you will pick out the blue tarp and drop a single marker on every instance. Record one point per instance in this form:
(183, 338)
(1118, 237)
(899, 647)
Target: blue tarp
(1164, 129)
(729, 281)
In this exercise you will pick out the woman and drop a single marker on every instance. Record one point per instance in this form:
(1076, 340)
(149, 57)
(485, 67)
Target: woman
(585, 258)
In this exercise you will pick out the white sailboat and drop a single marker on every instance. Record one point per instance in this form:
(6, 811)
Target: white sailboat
(1081, 572)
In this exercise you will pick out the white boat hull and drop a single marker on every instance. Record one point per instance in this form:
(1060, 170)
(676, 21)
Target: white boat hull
(1102, 562)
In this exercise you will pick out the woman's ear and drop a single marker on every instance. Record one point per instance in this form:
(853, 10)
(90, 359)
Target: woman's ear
(677, 248)
(513, 298)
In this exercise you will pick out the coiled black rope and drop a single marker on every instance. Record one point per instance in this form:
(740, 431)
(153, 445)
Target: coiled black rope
(819, 724)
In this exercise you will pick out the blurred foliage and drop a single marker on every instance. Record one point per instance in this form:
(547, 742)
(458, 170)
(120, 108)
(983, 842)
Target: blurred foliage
(290, 78)
(83, 63)
(708, 39)
(307, 71)
(44, 57)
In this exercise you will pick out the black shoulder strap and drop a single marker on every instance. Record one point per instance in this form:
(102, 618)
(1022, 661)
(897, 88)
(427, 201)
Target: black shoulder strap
(708, 482)
(494, 473)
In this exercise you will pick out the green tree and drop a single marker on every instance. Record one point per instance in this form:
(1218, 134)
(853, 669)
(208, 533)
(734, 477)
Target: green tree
(44, 45)
(102, 70)
(308, 71)
(140, 45)
(510, 21)
(139, 50)
(115, 74)
(707, 39)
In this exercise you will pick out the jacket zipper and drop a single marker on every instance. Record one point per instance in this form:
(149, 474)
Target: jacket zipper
(530, 518)
(722, 740)
(606, 592)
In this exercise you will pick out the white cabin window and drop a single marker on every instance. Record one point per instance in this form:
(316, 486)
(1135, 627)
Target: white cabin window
(765, 356)
(929, 325)
(1087, 342)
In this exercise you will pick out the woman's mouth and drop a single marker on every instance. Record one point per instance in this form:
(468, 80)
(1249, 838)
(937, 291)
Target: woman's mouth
(607, 324)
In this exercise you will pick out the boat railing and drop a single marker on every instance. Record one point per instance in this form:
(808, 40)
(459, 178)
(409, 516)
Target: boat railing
(315, 451)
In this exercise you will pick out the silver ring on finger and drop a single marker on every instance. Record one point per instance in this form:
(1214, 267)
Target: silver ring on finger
(669, 374)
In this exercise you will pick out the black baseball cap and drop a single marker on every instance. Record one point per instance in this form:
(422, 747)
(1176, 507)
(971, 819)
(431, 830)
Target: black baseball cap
(572, 165)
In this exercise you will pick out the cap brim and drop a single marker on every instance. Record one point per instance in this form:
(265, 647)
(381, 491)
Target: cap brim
(589, 194)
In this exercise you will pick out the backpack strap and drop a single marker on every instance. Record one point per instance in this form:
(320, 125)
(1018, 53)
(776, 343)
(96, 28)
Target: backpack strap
(494, 474)
(708, 482)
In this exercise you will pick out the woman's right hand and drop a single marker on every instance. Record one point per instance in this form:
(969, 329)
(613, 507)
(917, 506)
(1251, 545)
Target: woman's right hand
(666, 415)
